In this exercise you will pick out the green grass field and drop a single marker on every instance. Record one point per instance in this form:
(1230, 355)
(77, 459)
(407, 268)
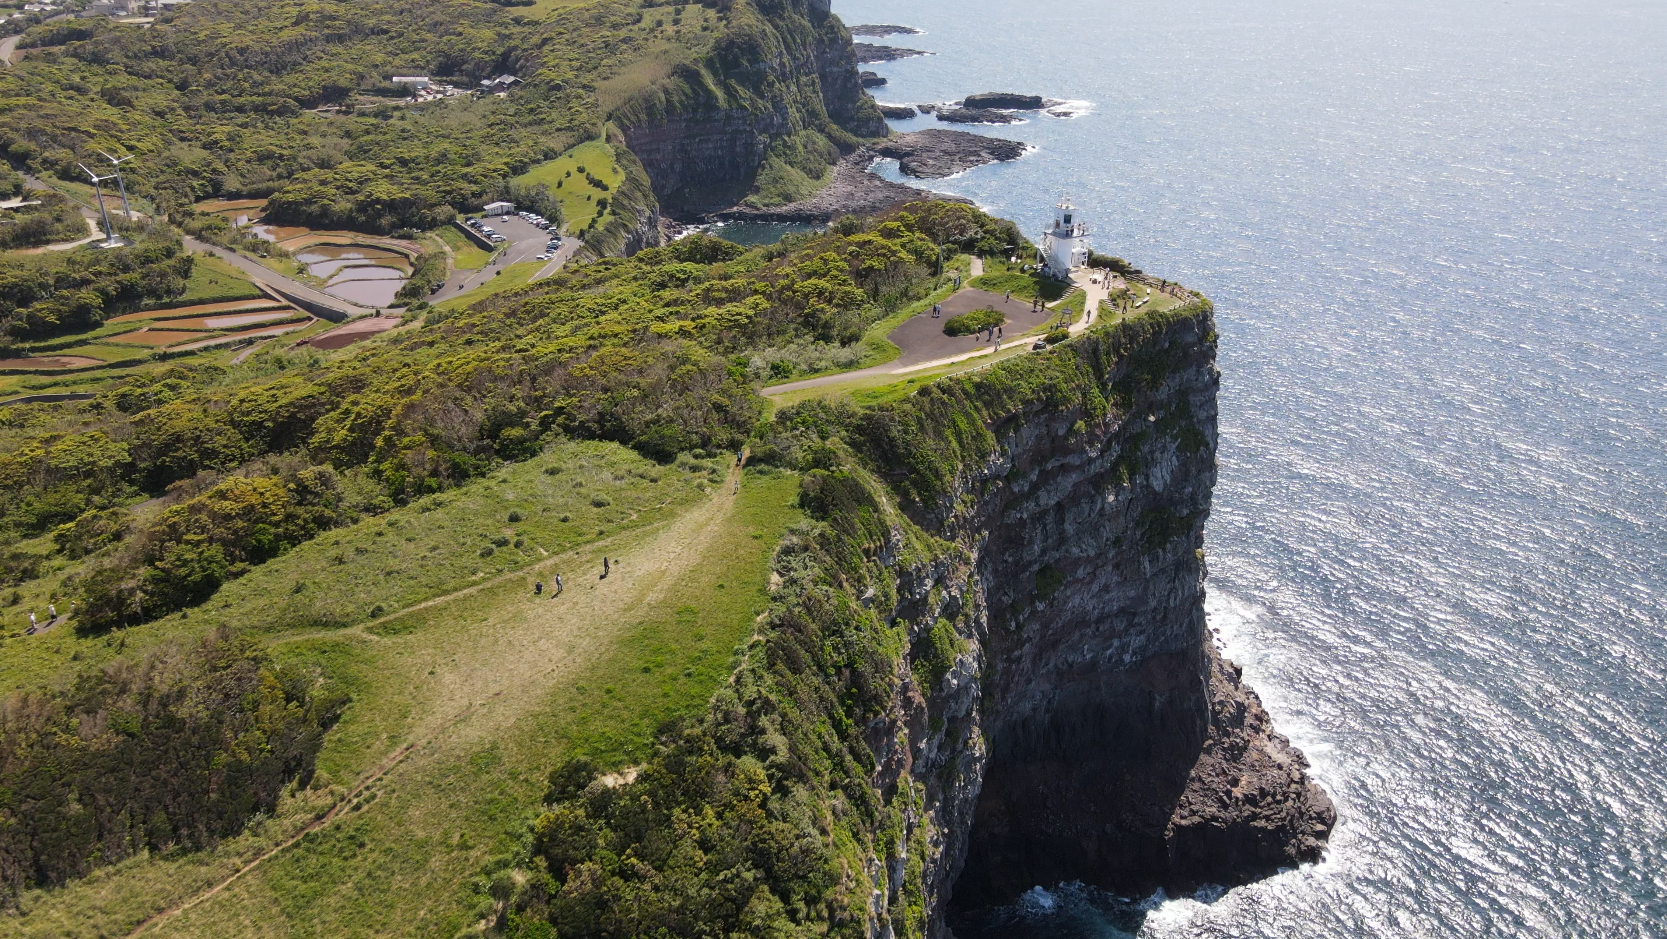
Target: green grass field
(515, 275)
(491, 684)
(466, 255)
(565, 176)
(213, 279)
(1001, 277)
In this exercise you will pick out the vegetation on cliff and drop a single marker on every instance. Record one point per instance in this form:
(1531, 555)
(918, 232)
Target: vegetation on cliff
(777, 813)
(650, 351)
(268, 98)
(175, 751)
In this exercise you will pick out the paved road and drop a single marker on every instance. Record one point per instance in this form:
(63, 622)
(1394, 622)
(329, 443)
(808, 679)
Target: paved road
(526, 243)
(923, 343)
(7, 47)
(262, 274)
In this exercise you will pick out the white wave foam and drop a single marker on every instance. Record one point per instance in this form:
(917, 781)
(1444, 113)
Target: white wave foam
(1065, 110)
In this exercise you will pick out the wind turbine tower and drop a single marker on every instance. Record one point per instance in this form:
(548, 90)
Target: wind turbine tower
(127, 213)
(109, 233)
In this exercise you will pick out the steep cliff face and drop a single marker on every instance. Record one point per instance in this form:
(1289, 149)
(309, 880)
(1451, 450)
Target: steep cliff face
(634, 221)
(782, 67)
(1090, 731)
(984, 667)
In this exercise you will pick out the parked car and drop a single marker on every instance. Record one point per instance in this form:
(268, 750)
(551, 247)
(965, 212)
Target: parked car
(1039, 345)
(544, 257)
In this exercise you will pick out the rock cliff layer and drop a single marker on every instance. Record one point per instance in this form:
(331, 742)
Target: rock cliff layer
(781, 68)
(984, 667)
(1090, 730)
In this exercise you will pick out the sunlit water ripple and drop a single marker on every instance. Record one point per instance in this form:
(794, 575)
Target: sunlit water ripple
(1434, 235)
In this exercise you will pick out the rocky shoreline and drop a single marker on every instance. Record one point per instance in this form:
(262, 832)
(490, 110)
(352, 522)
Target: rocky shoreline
(926, 154)
(868, 53)
(873, 31)
(977, 116)
(936, 153)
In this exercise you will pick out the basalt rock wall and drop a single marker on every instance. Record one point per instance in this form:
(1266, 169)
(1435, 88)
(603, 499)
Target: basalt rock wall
(1090, 730)
(781, 67)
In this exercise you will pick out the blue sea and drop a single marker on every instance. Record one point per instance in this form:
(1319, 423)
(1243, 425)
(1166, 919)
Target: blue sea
(1434, 233)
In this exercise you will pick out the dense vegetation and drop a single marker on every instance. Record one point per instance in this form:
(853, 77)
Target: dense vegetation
(973, 321)
(45, 295)
(54, 219)
(730, 830)
(224, 98)
(652, 352)
(173, 752)
(773, 815)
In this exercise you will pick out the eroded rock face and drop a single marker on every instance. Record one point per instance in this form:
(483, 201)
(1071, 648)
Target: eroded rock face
(701, 149)
(1094, 732)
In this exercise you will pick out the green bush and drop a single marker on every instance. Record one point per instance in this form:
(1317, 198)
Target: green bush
(1056, 336)
(975, 321)
(178, 750)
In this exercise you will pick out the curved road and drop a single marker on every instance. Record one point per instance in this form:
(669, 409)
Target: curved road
(923, 345)
(8, 46)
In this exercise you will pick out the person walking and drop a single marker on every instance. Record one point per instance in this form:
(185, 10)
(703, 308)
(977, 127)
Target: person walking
(31, 620)
(604, 567)
(558, 588)
(51, 612)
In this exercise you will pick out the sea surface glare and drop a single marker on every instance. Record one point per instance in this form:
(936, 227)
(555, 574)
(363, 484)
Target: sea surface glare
(1434, 235)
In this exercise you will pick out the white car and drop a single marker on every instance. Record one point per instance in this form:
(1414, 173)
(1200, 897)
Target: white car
(543, 257)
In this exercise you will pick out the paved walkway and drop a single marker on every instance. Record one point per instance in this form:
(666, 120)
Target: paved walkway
(924, 345)
(8, 47)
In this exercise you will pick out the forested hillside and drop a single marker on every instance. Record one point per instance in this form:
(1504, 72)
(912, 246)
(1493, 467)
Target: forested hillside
(293, 100)
(658, 352)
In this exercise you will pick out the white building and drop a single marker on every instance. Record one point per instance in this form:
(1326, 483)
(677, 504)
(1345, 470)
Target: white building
(417, 82)
(1065, 245)
(500, 208)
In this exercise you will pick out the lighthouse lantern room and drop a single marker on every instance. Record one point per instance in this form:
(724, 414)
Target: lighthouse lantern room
(1065, 245)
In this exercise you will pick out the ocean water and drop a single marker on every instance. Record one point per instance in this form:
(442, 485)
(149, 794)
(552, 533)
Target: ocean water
(1434, 232)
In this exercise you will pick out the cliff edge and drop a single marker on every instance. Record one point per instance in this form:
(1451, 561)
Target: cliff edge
(984, 667)
(780, 86)
(1121, 750)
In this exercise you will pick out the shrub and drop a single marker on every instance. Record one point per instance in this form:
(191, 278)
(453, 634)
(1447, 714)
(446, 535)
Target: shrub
(514, 517)
(1056, 336)
(176, 751)
(976, 321)
(1048, 581)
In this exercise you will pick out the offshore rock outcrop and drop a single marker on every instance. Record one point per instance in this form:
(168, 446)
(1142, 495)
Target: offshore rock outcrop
(926, 154)
(702, 133)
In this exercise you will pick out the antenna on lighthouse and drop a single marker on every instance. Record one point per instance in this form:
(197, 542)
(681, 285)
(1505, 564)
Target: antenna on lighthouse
(127, 212)
(109, 233)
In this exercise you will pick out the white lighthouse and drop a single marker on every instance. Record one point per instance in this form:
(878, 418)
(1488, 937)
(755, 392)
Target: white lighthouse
(1065, 245)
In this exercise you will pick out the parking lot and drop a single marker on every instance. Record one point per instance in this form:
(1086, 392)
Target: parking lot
(525, 243)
